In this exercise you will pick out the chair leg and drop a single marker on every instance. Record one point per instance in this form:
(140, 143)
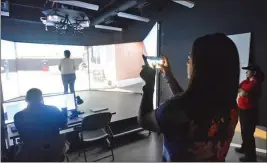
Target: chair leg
(84, 153)
(111, 149)
(112, 153)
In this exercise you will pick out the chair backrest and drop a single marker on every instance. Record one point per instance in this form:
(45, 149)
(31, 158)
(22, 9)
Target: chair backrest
(96, 121)
(44, 151)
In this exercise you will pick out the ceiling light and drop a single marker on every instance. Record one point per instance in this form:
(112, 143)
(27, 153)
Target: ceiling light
(134, 17)
(4, 13)
(185, 3)
(78, 4)
(108, 27)
(5, 8)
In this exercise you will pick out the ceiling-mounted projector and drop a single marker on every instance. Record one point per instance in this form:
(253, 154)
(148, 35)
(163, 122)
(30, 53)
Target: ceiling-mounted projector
(64, 19)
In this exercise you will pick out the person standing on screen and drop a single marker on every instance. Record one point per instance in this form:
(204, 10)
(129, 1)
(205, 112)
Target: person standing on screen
(38, 126)
(68, 68)
(6, 66)
(248, 101)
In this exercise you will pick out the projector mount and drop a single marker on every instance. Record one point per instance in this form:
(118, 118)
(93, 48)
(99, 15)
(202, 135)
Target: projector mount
(65, 19)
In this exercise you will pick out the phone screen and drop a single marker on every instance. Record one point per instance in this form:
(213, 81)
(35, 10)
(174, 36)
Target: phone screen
(154, 61)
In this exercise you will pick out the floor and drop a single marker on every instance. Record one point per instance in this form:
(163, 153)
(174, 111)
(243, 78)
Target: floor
(144, 148)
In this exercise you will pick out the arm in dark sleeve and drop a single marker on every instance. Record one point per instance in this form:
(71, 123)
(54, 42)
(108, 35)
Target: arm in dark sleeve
(169, 115)
(146, 114)
(174, 86)
(60, 118)
(17, 122)
(159, 120)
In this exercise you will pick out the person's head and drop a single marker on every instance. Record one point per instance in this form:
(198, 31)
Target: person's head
(34, 96)
(67, 54)
(213, 71)
(251, 70)
(250, 73)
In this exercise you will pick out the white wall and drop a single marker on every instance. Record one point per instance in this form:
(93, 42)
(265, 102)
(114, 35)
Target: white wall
(242, 42)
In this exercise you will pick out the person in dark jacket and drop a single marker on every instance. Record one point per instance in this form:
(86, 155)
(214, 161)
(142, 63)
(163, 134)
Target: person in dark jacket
(38, 126)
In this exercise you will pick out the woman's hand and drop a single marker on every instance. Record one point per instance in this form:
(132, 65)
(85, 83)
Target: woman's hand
(148, 74)
(165, 69)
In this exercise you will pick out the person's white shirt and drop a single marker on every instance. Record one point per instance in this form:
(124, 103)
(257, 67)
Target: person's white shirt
(67, 66)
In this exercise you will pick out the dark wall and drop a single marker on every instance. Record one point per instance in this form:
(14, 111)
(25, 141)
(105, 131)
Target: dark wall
(181, 26)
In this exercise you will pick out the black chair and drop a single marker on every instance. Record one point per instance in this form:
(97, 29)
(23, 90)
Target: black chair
(95, 128)
(50, 150)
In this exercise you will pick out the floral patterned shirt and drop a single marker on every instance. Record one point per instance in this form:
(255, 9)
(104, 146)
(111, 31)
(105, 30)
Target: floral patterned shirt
(184, 139)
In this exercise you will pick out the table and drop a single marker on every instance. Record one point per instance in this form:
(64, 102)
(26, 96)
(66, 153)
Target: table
(71, 124)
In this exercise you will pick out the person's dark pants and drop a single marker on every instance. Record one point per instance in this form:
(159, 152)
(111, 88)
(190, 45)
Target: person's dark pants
(248, 122)
(68, 82)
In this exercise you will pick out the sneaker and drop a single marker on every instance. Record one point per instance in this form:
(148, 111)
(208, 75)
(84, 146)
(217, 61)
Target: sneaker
(247, 159)
(240, 150)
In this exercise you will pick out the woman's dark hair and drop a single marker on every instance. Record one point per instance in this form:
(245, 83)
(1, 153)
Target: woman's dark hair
(214, 82)
(67, 54)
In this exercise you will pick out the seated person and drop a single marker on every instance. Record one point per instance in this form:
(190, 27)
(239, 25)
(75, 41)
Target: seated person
(38, 126)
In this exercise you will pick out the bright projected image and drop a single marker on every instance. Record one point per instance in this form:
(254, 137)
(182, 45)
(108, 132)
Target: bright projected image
(38, 67)
(117, 67)
(29, 65)
(242, 42)
(151, 49)
(11, 108)
(9, 75)
(106, 67)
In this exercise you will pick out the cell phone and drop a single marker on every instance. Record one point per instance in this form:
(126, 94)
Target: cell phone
(154, 61)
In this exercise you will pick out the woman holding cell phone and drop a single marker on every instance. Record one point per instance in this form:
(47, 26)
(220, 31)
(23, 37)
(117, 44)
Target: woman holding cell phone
(198, 124)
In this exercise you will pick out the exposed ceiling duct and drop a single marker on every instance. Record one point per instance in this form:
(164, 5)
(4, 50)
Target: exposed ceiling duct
(142, 4)
(113, 12)
(78, 4)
